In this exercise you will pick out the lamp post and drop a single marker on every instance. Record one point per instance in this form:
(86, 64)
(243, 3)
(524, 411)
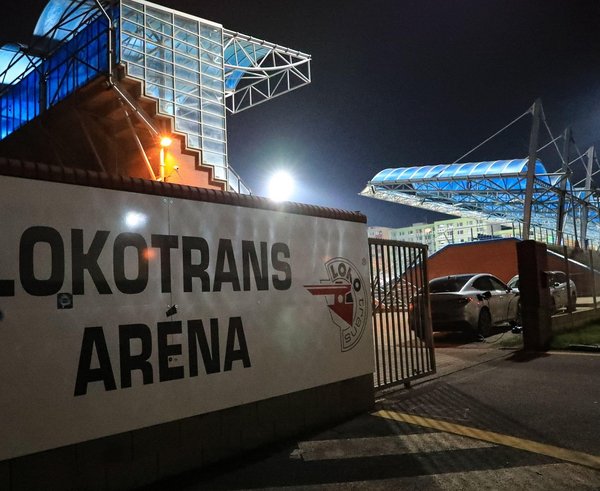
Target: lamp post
(165, 142)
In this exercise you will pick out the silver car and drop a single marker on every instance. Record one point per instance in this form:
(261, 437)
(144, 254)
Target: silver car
(559, 294)
(470, 302)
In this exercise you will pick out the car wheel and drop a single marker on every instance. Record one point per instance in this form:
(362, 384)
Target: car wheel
(484, 325)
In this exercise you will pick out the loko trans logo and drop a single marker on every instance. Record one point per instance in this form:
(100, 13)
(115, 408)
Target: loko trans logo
(346, 298)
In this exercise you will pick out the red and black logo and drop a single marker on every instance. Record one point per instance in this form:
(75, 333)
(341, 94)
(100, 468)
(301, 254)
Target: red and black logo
(346, 298)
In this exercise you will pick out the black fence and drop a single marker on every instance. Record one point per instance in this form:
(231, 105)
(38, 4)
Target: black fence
(401, 321)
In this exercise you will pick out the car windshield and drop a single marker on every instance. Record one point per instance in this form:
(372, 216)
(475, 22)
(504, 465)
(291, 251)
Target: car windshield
(448, 283)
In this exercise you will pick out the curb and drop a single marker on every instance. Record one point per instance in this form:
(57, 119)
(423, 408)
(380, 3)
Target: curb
(593, 348)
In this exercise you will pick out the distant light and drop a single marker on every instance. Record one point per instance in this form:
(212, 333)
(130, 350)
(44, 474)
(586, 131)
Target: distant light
(281, 186)
(135, 219)
(166, 141)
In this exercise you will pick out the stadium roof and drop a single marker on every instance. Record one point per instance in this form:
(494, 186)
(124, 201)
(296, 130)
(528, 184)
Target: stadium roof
(453, 171)
(61, 18)
(492, 190)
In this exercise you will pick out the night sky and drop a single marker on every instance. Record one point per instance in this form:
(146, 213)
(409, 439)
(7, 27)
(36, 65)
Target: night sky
(399, 83)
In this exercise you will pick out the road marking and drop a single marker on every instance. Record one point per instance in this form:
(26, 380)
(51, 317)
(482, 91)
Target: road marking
(567, 455)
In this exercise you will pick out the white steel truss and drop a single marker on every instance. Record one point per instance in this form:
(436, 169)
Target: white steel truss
(257, 71)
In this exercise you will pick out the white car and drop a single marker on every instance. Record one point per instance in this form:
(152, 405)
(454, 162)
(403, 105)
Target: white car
(466, 302)
(559, 294)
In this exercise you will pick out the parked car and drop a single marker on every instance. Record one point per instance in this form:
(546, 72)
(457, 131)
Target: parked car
(559, 294)
(467, 302)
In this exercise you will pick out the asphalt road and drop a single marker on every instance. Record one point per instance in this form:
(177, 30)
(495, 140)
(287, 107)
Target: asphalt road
(513, 420)
(551, 398)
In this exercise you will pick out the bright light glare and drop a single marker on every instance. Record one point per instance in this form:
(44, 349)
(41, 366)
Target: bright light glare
(165, 141)
(281, 186)
(134, 219)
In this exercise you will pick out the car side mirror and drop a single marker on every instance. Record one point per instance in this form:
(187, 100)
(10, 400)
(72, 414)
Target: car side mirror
(485, 295)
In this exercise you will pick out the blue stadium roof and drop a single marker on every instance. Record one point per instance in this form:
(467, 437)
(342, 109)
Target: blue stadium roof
(492, 189)
(453, 171)
(60, 18)
(501, 174)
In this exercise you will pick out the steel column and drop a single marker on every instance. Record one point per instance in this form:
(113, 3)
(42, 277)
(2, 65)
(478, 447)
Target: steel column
(533, 144)
(588, 193)
(560, 219)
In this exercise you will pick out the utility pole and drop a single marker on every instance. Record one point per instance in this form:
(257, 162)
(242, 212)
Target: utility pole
(533, 144)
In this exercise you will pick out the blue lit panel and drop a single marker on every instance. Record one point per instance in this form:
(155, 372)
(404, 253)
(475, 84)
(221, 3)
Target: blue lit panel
(20, 104)
(77, 62)
(72, 66)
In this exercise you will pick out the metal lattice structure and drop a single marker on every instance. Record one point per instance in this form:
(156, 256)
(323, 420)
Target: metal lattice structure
(496, 191)
(256, 71)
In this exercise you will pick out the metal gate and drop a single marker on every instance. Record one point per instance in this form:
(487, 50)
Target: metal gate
(404, 348)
